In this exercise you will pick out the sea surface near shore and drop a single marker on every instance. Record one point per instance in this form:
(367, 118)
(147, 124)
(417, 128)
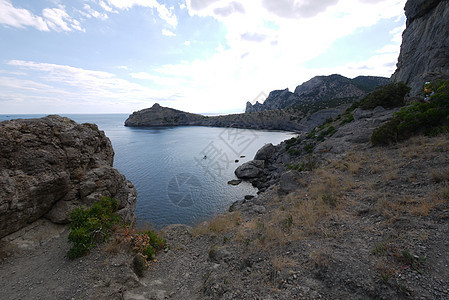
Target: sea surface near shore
(180, 173)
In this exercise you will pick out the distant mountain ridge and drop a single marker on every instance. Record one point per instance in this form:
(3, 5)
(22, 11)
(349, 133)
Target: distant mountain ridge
(319, 89)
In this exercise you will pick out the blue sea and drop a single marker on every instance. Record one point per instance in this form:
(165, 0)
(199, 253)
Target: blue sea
(180, 173)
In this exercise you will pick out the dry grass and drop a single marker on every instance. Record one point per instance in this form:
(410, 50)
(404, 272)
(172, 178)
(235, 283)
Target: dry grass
(439, 175)
(392, 207)
(219, 224)
(282, 262)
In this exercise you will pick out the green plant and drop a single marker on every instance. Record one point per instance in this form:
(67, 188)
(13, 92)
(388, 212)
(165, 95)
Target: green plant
(287, 222)
(91, 225)
(388, 96)
(147, 244)
(308, 148)
(413, 261)
(330, 131)
(347, 118)
(419, 118)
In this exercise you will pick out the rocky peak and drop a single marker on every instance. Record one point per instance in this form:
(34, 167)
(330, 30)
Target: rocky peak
(319, 89)
(418, 8)
(156, 106)
(425, 44)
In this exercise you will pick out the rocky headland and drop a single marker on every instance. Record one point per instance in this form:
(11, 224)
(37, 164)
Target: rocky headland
(313, 102)
(288, 119)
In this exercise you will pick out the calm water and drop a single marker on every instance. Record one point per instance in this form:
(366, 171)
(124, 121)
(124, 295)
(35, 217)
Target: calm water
(180, 173)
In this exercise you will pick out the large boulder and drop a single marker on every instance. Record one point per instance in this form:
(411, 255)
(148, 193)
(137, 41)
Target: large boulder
(250, 170)
(425, 44)
(51, 165)
(265, 153)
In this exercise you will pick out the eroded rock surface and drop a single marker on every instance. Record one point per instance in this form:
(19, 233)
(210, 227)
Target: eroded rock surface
(425, 44)
(49, 166)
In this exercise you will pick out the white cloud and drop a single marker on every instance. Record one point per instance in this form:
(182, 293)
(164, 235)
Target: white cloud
(78, 87)
(266, 50)
(19, 17)
(187, 43)
(297, 9)
(52, 18)
(89, 12)
(167, 32)
(163, 12)
(59, 20)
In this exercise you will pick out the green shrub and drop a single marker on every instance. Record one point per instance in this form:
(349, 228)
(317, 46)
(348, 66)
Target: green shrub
(347, 118)
(330, 131)
(147, 243)
(388, 96)
(291, 142)
(308, 148)
(419, 118)
(91, 225)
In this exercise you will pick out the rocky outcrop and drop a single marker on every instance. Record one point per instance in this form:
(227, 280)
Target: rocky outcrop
(49, 166)
(425, 44)
(162, 116)
(319, 89)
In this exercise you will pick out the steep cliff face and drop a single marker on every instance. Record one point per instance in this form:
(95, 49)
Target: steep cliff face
(319, 89)
(49, 166)
(425, 44)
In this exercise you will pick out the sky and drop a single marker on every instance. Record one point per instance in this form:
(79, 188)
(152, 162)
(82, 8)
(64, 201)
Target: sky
(200, 56)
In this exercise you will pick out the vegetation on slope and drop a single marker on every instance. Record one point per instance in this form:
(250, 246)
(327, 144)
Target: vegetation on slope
(429, 118)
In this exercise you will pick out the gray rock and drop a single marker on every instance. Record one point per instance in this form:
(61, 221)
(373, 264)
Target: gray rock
(250, 170)
(234, 182)
(290, 181)
(49, 166)
(265, 152)
(425, 45)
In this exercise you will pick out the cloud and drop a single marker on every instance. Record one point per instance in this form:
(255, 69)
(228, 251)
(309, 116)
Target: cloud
(233, 7)
(163, 12)
(297, 9)
(167, 32)
(58, 19)
(67, 84)
(199, 4)
(253, 37)
(52, 18)
(91, 13)
(19, 17)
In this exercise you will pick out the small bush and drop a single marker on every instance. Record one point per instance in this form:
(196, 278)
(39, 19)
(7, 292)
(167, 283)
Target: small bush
(347, 118)
(147, 244)
(419, 118)
(91, 225)
(388, 96)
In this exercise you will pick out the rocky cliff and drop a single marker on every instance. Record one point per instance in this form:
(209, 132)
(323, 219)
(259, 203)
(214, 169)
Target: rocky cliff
(49, 166)
(425, 44)
(319, 89)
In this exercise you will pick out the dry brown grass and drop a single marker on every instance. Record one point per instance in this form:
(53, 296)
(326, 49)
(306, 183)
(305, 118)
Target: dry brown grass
(282, 262)
(219, 224)
(440, 174)
(416, 206)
